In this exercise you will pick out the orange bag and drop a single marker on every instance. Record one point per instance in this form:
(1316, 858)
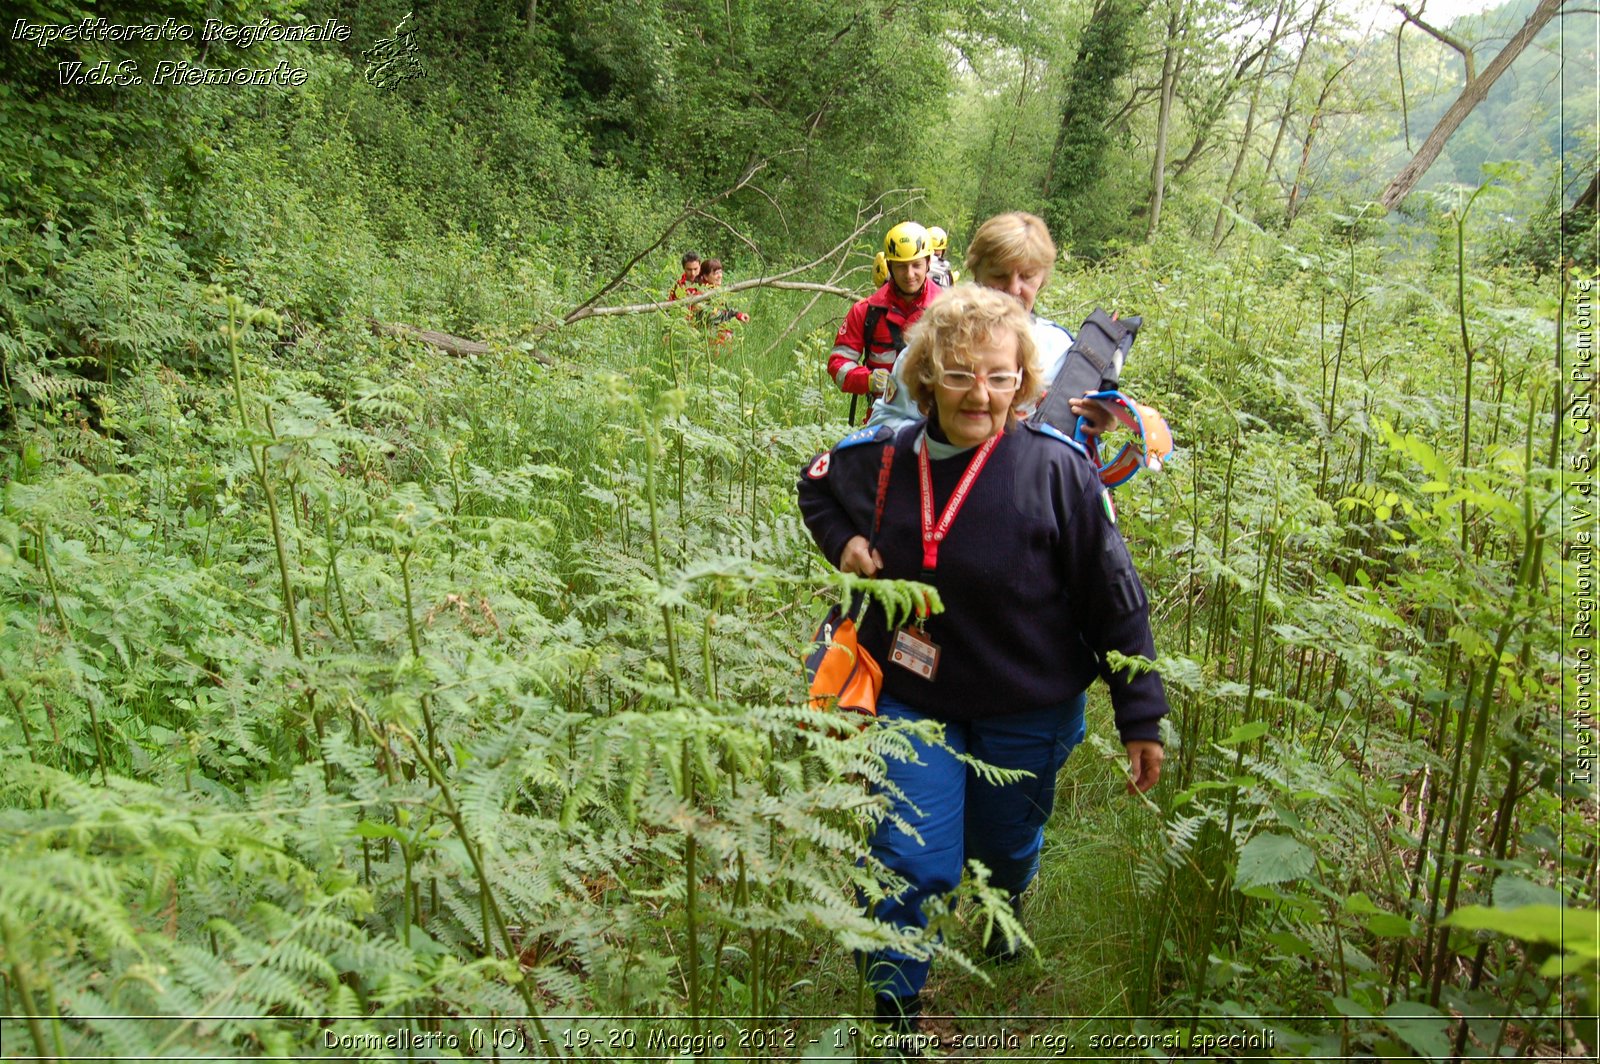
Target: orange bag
(841, 670)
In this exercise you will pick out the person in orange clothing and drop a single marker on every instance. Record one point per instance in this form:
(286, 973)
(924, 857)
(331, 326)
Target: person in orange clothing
(713, 313)
(690, 274)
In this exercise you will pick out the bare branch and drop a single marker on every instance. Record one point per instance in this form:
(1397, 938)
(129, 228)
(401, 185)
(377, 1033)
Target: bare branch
(1400, 67)
(1138, 98)
(736, 234)
(782, 217)
(1443, 38)
(793, 324)
(807, 286)
(755, 282)
(744, 179)
(839, 271)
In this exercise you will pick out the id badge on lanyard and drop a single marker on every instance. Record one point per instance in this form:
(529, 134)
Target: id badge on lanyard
(912, 649)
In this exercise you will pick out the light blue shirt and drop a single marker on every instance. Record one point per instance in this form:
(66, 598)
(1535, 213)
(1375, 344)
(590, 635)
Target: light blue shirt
(895, 408)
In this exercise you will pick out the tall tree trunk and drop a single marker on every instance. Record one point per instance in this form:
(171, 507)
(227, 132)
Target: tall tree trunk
(981, 208)
(1214, 107)
(1294, 78)
(1471, 95)
(1589, 200)
(1582, 212)
(1176, 37)
(1311, 133)
(1305, 168)
(1048, 185)
(1249, 128)
(1077, 167)
(980, 202)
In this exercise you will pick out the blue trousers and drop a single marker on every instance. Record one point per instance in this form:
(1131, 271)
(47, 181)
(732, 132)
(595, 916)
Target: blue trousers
(960, 816)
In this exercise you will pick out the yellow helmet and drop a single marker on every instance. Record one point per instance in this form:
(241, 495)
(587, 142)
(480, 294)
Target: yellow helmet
(938, 239)
(906, 242)
(880, 271)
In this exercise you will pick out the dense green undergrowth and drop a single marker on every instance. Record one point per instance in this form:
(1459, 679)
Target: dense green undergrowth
(347, 678)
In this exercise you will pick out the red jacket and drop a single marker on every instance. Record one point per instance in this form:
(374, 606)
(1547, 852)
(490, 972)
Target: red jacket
(849, 343)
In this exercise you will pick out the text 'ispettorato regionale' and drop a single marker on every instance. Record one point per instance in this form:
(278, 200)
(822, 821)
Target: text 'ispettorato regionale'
(176, 72)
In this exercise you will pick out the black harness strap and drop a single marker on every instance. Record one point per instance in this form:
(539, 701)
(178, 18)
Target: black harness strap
(869, 335)
(869, 331)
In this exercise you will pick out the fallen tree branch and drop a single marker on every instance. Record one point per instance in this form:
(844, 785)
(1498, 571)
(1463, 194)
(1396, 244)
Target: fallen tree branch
(778, 280)
(758, 282)
(450, 345)
(807, 286)
(839, 269)
(793, 323)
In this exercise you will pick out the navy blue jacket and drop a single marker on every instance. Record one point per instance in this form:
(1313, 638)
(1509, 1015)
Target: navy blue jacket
(1036, 581)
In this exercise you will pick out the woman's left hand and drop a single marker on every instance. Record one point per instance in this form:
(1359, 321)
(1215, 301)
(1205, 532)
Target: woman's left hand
(1144, 759)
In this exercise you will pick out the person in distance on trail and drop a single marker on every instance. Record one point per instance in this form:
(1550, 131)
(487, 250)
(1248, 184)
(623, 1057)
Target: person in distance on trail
(873, 333)
(713, 312)
(1009, 521)
(708, 274)
(939, 264)
(691, 273)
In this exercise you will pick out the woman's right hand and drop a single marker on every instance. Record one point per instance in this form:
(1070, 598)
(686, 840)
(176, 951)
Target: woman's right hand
(1097, 416)
(858, 559)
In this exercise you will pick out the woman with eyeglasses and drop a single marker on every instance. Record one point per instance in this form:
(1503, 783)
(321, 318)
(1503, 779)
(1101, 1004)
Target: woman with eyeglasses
(1010, 523)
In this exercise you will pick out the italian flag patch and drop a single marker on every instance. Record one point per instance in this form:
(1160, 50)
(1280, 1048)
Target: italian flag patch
(1108, 506)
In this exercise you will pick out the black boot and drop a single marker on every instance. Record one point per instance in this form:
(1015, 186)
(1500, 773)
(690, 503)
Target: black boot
(903, 1016)
(1000, 949)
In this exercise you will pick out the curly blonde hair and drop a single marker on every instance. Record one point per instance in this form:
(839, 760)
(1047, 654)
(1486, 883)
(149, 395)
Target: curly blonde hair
(952, 326)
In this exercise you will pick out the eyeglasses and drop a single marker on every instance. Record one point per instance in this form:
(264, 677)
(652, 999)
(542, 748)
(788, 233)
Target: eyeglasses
(960, 380)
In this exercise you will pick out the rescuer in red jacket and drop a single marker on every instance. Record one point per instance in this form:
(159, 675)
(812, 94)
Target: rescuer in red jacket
(873, 332)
